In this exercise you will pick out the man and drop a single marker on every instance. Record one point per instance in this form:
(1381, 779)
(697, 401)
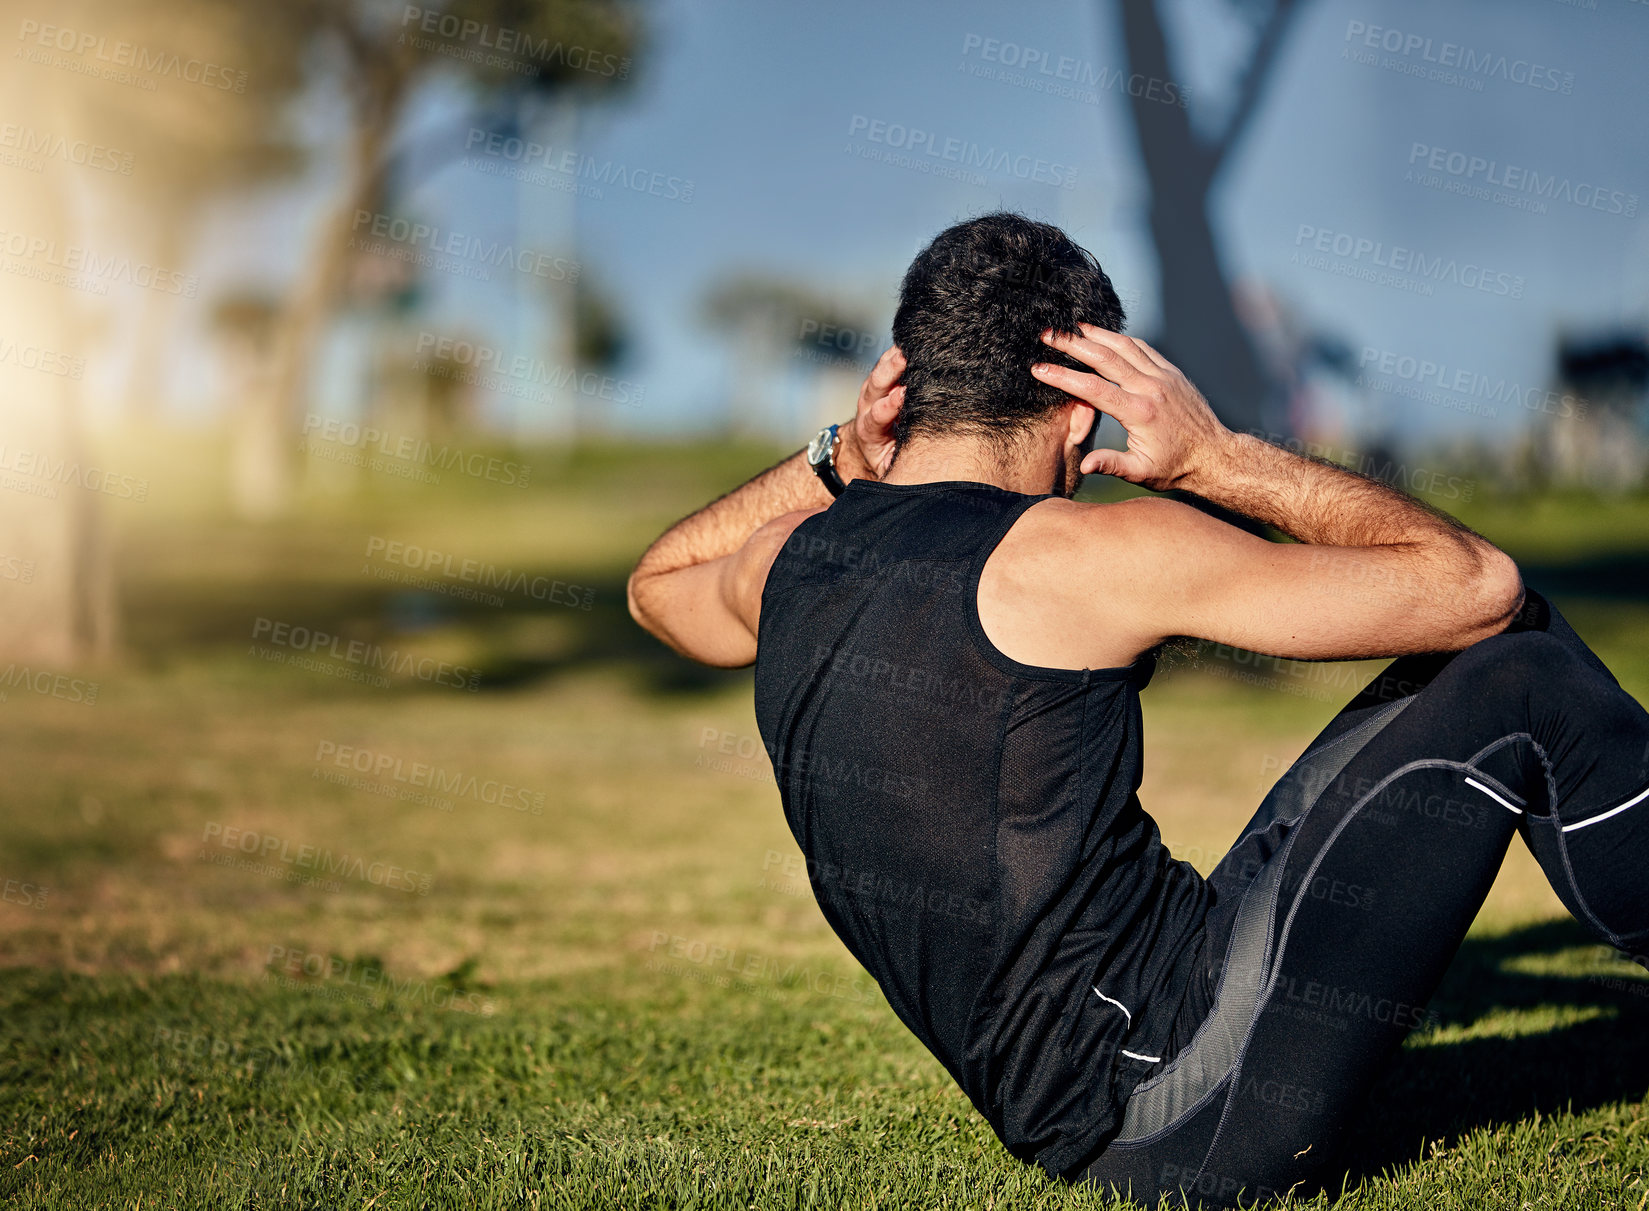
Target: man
(948, 659)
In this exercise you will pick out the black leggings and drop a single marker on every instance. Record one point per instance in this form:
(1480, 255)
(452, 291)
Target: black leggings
(1334, 916)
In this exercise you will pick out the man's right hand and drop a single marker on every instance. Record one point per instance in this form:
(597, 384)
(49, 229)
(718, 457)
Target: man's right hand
(1374, 573)
(1174, 438)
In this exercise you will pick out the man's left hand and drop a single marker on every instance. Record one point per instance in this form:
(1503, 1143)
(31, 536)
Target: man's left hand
(866, 449)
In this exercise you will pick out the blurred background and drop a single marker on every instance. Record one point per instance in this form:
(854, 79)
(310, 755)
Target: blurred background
(351, 352)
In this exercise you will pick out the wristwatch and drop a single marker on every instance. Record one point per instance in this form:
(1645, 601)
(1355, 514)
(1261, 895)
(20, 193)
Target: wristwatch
(821, 456)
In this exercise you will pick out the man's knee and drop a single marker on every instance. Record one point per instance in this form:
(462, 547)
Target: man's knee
(1513, 662)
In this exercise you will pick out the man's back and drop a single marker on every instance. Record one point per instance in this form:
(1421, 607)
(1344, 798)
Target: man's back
(1016, 802)
(970, 822)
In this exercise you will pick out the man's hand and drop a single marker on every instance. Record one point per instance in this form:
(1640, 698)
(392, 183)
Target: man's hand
(1374, 573)
(867, 440)
(1174, 438)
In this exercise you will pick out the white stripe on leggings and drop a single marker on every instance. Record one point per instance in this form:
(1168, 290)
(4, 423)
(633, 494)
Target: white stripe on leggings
(1133, 1055)
(1115, 1002)
(1633, 802)
(1492, 795)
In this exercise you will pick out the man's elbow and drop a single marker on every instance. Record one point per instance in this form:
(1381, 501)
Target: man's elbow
(1498, 593)
(638, 594)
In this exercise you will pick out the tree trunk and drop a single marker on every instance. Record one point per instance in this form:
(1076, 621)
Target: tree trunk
(57, 599)
(264, 467)
(1202, 333)
(156, 310)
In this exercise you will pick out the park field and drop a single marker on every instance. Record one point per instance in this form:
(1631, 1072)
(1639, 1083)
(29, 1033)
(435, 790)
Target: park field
(559, 951)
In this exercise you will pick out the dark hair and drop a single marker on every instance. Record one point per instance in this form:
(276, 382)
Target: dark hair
(972, 310)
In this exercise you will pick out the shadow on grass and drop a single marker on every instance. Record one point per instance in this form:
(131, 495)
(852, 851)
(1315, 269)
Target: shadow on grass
(1442, 1092)
(175, 619)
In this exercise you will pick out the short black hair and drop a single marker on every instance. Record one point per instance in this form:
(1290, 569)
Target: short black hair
(972, 309)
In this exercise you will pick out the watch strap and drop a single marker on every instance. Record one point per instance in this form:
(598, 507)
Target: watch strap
(824, 461)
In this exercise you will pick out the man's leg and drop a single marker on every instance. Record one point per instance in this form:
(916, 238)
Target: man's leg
(1349, 893)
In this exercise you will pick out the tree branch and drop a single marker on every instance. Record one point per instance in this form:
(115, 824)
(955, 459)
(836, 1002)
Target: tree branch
(1254, 79)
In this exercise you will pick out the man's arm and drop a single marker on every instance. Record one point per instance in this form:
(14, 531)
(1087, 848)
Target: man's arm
(698, 587)
(1375, 572)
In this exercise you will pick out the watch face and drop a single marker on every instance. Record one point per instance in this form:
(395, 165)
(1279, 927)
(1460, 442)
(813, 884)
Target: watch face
(818, 450)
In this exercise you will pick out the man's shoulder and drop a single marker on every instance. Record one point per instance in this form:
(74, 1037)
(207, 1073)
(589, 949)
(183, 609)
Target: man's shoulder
(1063, 537)
(754, 561)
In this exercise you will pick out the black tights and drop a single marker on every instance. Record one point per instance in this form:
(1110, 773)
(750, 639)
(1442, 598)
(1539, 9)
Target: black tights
(1337, 911)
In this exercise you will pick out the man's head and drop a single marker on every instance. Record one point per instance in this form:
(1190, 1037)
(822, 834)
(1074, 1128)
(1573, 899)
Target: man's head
(972, 309)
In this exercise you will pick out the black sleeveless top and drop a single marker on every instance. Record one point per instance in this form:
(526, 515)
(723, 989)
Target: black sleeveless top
(970, 822)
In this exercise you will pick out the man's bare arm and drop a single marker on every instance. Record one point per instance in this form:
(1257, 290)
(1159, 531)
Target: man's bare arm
(1419, 580)
(698, 587)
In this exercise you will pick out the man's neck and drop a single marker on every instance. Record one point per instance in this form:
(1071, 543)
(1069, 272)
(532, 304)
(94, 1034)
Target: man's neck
(936, 459)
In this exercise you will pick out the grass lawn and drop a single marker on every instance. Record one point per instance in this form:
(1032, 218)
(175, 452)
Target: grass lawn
(580, 969)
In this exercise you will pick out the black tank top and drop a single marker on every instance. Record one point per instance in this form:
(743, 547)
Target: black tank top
(970, 823)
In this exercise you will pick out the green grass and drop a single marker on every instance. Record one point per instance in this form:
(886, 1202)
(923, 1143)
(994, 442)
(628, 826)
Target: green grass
(546, 1027)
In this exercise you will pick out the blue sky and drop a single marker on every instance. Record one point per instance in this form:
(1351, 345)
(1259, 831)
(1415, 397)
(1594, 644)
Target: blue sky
(757, 103)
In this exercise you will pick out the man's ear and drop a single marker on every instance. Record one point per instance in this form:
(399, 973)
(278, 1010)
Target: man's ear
(1080, 419)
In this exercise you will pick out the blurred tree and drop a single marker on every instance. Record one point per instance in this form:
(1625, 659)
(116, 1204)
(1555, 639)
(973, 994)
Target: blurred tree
(244, 322)
(192, 140)
(380, 52)
(1201, 330)
(769, 321)
(57, 603)
(129, 113)
(600, 338)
